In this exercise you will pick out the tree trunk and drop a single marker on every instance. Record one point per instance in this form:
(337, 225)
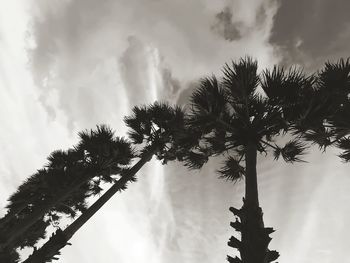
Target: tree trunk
(253, 246)
(60, 238)
(251, 183)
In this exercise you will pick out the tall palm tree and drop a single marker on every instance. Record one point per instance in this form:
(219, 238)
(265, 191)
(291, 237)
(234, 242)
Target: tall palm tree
(60, 238)
(63, 186)
(239, 116)
(157, 128)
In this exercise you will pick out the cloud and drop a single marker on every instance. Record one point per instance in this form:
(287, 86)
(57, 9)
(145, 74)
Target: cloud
(78, 43)
(225, 27)
(144, 74)
(310, 32)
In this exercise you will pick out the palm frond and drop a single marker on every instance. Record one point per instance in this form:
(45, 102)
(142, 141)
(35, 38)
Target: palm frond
(232, 170)
(283, 86)
(217, 141)
(291, 91)
(139, 124)
(319, 136)
(272, 82)
(92, 141)
(121, 151)
(241, 79)
(334, 78)
(291, 152)
(208, 99)
(267, 120)
(166, 117)
(195, 160)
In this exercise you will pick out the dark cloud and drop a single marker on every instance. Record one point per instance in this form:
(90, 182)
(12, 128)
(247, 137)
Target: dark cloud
(310, 32)
(225, 27)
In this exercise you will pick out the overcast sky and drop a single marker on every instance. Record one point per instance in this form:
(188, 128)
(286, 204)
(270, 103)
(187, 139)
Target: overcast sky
(67, 65)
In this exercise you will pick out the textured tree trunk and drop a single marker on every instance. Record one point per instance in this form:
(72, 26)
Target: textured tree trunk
(251, 183)
(253, 246)
(252, 250)
(60, 238)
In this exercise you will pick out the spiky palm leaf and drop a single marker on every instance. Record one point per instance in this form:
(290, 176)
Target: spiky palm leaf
(231, 170)
(291, 152)
(241, 78)
(208, 104)
(195, 160)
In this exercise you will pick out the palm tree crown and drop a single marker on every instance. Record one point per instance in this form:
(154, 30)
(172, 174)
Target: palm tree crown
(246, 107)
(161, 128)
(63, 185)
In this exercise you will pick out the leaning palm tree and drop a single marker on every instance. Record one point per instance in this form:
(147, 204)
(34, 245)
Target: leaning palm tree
(62, 187)
(239, 116)
(157, 129)
(60, 238)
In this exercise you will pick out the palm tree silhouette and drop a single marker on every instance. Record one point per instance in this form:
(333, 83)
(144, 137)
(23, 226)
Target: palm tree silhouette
(60, 238)
(157, 129)
(63, 186)
(236, 118)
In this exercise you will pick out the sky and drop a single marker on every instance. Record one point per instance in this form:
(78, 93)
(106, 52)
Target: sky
(68, 65)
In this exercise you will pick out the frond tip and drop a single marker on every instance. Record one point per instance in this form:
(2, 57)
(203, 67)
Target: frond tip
(195, 160)
(208, 98)
(241, 79)
(232, 170)
(291, 152)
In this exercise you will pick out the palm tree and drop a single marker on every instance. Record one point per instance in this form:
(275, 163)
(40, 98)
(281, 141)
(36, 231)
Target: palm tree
(60, 238)
(63, 186)
(157, 129)
(242, 115)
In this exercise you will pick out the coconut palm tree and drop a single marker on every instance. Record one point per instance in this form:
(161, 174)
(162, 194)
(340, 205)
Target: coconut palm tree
(158, 129)
(63, 186)
(239, 116)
